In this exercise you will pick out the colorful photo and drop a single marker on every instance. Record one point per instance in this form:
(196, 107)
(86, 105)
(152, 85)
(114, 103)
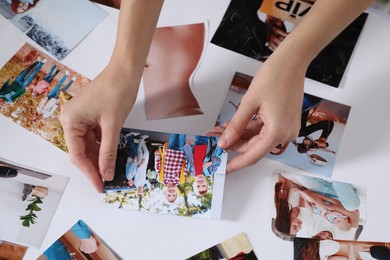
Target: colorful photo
(235, 248)
(306, 206)
(33, 87)
(174, 56)
(29, 199)
(174, 174)
(322, 127)
(79, 243)
(325, 247)
(50, 23)
(247, 30)
(11, 251)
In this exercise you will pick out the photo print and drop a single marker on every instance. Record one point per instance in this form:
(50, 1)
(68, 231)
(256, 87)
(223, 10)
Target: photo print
(322, 127)
(33, 87)
(79, 243)
(29, 199)
(51, 23)
(306, 206)
(235, 248)
(325, 247)
(173, 59)
(246, 29)
(10, 250)
(167, 173)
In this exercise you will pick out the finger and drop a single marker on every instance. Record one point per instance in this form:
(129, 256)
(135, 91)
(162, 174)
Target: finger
(79, 157)
(108, 150)
(218, 129)
(253, 153)
(281, 33)
(236, 125)
(213, 134)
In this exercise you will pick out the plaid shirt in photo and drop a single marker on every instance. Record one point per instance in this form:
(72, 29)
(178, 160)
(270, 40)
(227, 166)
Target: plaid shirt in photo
(174, 161)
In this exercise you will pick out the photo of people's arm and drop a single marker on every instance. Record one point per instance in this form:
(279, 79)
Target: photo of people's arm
(173, 57)
(79, 242)
(329, 248)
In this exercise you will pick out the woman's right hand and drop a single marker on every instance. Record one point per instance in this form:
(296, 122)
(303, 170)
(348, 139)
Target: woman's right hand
(93, 119)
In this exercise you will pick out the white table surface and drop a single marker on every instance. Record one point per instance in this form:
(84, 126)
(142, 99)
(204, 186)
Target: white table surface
(363, 159)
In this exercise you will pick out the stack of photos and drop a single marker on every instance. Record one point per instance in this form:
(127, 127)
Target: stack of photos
(10, 250)
(174, 174)
(235, 248)
(33, 87)
(29, 199)
(306, 206)
(51, 24)
(324, 247)
(322, 127)
(248, 30)
(79, 243)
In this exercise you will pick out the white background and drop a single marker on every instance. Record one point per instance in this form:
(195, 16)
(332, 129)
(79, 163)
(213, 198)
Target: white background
(363, 157)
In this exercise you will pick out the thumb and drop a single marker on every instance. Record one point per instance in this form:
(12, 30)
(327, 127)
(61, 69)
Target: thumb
(108, 151)
(236, 125)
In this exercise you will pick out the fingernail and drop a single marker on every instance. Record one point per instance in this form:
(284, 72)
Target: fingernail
(109, 174)
(222, 142)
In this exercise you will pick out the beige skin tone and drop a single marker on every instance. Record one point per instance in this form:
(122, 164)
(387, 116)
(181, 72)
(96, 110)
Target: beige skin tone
(170, 193)
(351, 249)
(201, 184)
(98, 113)
(173, 57)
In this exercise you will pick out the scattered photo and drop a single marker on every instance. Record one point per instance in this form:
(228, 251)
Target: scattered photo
(29, 199)
(325, 247)
(174, 56)
(79, 243)
(174, 174)
(248, 30)
(235, 248)
(306, 206)
(10, 250)
(322, 127)
(56, 25)
(33, 87)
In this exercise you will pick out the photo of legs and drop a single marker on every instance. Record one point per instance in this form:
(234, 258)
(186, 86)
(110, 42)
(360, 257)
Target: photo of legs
(33, 87)
(323, 247)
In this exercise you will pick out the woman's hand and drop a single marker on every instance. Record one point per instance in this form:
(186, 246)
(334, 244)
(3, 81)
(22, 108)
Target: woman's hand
(275, 94)
(92, 122)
